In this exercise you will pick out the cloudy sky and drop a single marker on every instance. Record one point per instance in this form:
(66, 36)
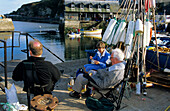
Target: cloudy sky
(7, 6)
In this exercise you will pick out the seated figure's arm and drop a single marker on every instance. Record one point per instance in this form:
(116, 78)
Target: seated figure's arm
(96, 61)
(103, 65)
(55, 72)
(95, 56)
(105, 60)
(18, 72)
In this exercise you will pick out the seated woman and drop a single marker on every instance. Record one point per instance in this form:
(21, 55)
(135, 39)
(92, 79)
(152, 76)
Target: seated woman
(101, 58)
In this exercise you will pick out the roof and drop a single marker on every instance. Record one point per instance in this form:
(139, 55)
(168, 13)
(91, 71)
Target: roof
(114, 5)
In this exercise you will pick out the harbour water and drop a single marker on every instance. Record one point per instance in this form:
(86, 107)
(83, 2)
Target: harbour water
(65, 48)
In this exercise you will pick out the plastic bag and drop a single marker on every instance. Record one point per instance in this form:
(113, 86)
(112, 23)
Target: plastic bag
(12, 100)
(8, 107)
(11, 94)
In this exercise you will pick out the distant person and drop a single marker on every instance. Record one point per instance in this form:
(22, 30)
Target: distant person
(104, 78)
(91, 29)
(100, 60)
(70, 32)
(2, 16)
(45, 70)
(78, 30)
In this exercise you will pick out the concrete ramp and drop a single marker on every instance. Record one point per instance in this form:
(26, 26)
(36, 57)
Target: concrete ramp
(6, 24)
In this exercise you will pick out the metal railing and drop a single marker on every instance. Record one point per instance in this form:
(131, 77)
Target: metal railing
(27, 35)
(43, 46)
(12, 50)
(5, 62)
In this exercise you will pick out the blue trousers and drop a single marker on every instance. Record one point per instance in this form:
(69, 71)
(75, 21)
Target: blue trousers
(89, 67)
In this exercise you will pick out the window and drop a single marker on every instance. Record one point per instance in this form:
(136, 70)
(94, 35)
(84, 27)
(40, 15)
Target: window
(90, 6)
(82, 6)
(107, 6)
(99, 6)
(72, 5)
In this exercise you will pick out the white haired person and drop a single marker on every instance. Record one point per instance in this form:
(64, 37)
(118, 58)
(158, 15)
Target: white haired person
(104, 78)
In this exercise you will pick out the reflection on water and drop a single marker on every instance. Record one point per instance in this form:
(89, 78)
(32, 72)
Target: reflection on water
(65, 48)
(5, 35)
(75, 48)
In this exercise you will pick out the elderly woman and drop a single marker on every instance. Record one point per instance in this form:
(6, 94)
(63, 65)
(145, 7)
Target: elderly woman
(101, 58)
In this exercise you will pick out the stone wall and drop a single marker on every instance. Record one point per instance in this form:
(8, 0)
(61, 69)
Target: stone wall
(6, 24)
(75, 24)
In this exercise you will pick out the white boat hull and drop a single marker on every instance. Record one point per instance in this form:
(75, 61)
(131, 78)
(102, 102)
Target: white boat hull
(74, 35)
(94, 32)
(99, 36)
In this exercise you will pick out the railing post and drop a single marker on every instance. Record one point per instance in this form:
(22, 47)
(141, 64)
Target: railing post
(27, 45)
(12, 52)
(5, 64)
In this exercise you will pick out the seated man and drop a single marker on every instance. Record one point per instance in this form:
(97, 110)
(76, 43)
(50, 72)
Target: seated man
(100, 60)
(47, 73)
(104, 77)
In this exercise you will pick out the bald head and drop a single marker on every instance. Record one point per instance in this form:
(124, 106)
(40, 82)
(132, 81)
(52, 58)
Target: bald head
(35, 47)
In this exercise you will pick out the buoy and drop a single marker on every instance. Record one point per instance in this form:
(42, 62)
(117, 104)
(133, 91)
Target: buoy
(119, 32)
(139, 26)
(109, 29)
(122, 38)
(110, 39)
(153, 3)
(146, 33)
(128, 51)
(129, 34)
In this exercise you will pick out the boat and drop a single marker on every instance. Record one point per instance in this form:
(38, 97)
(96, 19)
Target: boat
(74, 35)
(159, 73)
(164, 53)
(99, 36)
(91, 32)
(50, 31)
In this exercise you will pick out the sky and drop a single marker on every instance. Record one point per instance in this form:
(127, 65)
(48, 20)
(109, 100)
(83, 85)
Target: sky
(8, 6)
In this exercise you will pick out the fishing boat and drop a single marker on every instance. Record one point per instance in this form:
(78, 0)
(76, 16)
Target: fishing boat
(50, 31)
(159, 63)
(99, 36)
(74, 35)
(164, 53)
(91, 32)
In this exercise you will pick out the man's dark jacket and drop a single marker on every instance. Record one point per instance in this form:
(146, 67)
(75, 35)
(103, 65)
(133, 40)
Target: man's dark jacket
(47, 73)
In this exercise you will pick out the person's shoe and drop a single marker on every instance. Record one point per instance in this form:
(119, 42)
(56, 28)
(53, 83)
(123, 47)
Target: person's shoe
(74, 94)
(87, 93)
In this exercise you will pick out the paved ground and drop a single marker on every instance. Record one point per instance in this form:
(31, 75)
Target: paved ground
(157, 99)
